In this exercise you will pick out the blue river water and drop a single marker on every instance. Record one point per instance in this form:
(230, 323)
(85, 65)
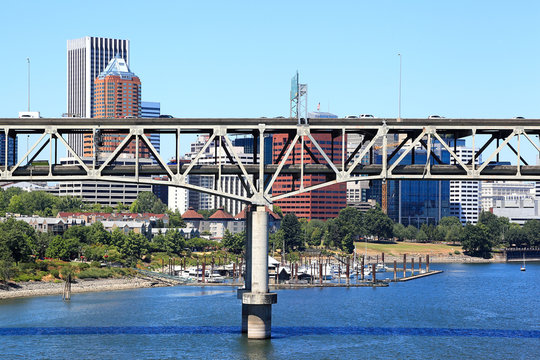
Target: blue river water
(471, 311)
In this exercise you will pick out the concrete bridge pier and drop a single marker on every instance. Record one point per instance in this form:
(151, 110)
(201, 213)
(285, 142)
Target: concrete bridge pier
(257, 300)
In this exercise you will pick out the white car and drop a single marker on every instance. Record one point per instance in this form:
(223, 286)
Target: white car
(351, 117)
(435, 117)
(366, 116)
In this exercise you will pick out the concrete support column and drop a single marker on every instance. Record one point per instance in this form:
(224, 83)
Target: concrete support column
(247, 286)
(258, 302)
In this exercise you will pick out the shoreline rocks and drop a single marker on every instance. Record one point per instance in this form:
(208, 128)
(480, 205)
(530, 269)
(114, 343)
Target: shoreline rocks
(40, 288)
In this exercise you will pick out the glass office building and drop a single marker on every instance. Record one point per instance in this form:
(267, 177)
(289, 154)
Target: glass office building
(11, 148)
(415, 202)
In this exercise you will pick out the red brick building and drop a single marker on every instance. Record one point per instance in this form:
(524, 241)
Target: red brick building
(117, 94)
(324, 203)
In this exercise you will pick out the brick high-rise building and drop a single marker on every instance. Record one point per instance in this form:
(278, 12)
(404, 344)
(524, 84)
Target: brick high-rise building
(324, 203)
(117, 94)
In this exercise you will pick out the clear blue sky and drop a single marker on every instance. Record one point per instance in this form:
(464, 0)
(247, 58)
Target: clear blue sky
(236, 58)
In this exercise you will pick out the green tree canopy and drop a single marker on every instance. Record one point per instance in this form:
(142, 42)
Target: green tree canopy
(234, 242)
(15, 238)
(292, 232)
(378, 223)
(476, 240)
(148, 202)
(64, 249)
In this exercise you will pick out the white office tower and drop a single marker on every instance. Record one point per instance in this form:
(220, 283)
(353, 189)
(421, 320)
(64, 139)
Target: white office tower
(464, 195)
(87, 57)
(178, 199)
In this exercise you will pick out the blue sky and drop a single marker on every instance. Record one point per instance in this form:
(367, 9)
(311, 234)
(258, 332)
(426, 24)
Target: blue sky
(236, 58)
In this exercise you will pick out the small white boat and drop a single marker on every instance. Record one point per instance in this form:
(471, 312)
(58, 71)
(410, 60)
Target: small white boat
(523, 268)
(381, 268)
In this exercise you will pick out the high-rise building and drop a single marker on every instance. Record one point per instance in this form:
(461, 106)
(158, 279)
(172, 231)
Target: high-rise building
(464, 195)
(87, 57)
(11, 150)
(117, 94)
(152, 110)
(415, 202)
(324, 203)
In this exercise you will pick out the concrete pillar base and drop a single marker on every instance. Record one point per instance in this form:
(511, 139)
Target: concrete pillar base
(259, 321)
(257, 314)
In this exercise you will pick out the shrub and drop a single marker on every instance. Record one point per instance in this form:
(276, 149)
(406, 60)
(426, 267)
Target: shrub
(95, 264)
(55, 273)
(457, 252)
(23, 277)
(83, 266)
(95, 273)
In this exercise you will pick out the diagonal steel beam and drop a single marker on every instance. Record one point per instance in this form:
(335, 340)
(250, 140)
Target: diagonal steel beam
(281, 164)
(451, 152)
(240, 165)
(365, 151)
(407, 150)
(29, 152)
(481, 150)
(156, 154)
(506, 141)
(116, 151)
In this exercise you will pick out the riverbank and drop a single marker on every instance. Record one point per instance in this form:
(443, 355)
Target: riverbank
(42, 288)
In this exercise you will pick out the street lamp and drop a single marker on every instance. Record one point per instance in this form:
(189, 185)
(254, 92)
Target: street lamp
(399, 94)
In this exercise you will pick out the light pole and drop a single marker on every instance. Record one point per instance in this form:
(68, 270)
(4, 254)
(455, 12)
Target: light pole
(28, 60)
(399, 94)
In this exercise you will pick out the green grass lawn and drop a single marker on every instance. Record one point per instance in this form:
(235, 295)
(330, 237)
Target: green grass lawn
(401, 248)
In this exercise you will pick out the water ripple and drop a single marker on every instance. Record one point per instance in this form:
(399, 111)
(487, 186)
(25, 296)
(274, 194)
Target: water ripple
(277, 331)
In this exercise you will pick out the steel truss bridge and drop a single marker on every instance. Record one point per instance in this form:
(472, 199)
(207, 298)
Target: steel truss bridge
(350, 154)
(488, 138)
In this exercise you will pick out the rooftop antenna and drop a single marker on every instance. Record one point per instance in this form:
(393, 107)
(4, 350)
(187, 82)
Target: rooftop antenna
(298, 99)
(28, 60)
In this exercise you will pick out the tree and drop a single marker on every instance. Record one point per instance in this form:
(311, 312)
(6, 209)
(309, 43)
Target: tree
(234, 242)
(6, 269)
(378, 223)
(421, 236)
(97, 234)
(517, 236)
(292, 232)
(69, 203)
(175, 220)
(15, 237)
(411, 232)
(454, 234)
(496, 226)
(16, 205)
(148, 202)
(134, 246)
(64, 249)
(40, 243)
(476, 240)
(347, 243)
(277, 210)
(532, 230)
(399, 231)
(207, 213)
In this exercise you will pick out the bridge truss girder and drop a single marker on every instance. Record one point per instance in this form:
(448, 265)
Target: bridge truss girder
(335, 166)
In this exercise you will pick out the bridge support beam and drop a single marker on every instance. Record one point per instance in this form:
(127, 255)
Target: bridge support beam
(257, 301)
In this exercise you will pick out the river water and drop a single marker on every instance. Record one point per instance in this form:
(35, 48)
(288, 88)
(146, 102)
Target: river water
(471, 311)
